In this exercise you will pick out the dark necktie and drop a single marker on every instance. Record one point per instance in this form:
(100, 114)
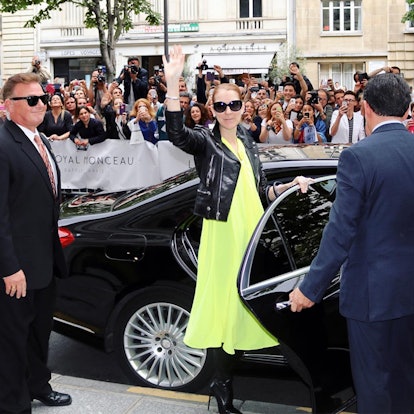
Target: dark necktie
(43, 153)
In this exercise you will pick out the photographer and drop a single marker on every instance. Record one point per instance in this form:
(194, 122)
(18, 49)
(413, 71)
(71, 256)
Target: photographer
(41, 71)
(97, 89)
(323, 112)
(206, 82)
(76, 85)
(257, 91)
(159, 84)
(135, 80)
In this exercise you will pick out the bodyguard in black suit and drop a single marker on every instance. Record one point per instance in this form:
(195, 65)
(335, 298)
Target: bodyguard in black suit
(371, 234)
(30, 252)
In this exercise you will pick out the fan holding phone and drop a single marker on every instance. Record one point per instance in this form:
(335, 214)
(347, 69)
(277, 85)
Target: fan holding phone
(275, 129)
(308, 130)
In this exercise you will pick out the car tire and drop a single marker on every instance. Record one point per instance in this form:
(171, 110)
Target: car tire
(149, 343)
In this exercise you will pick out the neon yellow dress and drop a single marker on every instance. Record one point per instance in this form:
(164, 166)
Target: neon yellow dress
(218, 316)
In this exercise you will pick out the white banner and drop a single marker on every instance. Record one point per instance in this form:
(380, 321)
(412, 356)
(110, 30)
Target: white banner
(115, 165)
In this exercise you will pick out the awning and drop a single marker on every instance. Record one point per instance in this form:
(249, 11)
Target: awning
(236, 63)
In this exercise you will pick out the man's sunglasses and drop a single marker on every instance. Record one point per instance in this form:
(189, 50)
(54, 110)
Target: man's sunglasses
(32, 100)
(233, 105)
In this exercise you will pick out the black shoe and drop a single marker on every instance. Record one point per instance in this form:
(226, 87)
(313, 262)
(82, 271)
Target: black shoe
(223, 392)
(54, 399)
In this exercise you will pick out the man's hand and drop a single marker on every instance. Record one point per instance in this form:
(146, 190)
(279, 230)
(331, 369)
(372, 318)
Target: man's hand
(15, 284)
(299, 301)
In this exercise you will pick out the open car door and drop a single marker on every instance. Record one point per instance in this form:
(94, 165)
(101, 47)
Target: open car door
(278, 256)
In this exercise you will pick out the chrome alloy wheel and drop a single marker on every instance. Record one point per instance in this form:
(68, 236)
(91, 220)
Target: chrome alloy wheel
(154, 347)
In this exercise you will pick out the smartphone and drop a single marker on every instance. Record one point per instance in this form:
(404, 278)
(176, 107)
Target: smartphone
(306, 114)
(345, 104)
(122, 109)
(210, 76)
(292, 101)
(280, 89)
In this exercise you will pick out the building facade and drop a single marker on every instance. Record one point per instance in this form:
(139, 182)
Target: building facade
(335, 37)
(339, 37)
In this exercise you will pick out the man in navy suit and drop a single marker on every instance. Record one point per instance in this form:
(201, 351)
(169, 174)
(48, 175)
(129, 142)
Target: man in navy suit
(370, 234)
(30, 252)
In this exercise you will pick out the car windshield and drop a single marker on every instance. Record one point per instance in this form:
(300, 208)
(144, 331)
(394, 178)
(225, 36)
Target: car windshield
(103, 202)
(145, 193)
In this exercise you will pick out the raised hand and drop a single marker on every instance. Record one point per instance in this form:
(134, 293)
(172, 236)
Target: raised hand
(173, 68)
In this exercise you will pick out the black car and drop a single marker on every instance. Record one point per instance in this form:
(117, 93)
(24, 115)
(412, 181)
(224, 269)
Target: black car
(132, 259)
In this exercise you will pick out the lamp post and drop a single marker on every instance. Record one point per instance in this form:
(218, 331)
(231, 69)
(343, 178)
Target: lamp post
(166, 29)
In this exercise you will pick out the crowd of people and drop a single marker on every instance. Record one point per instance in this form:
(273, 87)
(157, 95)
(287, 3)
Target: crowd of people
(131, 107)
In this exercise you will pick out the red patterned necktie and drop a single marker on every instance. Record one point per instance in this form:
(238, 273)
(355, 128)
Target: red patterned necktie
(43, 153)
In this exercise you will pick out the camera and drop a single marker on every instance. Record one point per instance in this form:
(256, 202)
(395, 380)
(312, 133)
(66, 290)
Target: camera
(101, 78)
(254, 89)
(81, 147)
(306, 114)
(288, 79)
(37, 62)
(203, 65)
(157, 80)
(314, 99)
(134, 69)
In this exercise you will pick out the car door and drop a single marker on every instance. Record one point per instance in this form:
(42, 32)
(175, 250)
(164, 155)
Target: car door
(277, 259)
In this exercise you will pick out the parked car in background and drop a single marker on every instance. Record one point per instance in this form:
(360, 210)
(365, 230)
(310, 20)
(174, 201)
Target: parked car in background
(132, 260)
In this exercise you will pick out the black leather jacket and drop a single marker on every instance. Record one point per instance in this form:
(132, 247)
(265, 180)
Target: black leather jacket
(217, 167)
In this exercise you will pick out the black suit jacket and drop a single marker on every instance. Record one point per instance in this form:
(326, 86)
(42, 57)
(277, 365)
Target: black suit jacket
(28, 211)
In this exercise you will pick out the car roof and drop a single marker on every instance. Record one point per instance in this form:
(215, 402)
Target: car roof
(270, 153)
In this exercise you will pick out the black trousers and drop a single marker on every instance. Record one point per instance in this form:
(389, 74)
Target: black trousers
(382, 361)
(25, 326)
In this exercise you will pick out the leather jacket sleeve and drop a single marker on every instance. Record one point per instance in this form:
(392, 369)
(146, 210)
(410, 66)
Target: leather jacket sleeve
(192, 141)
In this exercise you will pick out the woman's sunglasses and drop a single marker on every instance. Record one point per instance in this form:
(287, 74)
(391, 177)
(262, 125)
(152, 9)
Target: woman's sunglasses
(233, 105)
(32, 100)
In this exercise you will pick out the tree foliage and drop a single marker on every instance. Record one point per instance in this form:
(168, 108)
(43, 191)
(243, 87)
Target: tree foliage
(112, 18)
(409, 16)
(280, 63)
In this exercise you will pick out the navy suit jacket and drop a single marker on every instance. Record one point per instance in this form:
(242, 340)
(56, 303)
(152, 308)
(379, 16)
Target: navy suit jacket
(28, 211)
(371, 229)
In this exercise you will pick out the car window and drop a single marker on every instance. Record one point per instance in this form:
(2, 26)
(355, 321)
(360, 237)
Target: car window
(302, 218)
(291, 235)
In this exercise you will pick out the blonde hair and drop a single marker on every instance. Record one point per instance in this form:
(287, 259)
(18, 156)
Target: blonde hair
(227, 87)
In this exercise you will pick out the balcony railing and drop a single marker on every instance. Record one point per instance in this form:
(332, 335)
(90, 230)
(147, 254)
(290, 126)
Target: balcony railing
(72, 31)
(249, 24)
